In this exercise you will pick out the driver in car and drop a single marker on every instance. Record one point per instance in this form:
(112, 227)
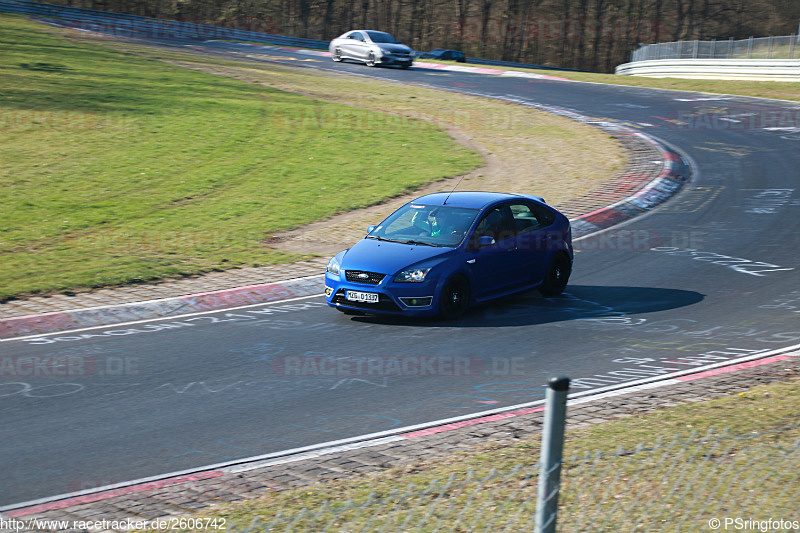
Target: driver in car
(430, 224)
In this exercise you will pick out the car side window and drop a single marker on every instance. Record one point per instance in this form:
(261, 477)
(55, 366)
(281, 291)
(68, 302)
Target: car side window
(524, 217)
(544, 215)
(497, 224)
(529, 217)
(357, 36)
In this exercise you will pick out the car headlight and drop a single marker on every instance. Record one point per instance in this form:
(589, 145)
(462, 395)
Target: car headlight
(334, 266)
(412, 275)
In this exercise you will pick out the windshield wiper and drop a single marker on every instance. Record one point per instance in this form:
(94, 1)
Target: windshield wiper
(419, 242)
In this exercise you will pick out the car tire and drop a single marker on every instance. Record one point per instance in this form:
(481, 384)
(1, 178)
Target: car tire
(454, 300)
(405, 64)
(371, 59)
(557, 276)
(337, 54)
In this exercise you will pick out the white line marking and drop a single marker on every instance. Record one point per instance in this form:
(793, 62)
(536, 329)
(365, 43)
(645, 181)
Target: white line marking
(174, 317)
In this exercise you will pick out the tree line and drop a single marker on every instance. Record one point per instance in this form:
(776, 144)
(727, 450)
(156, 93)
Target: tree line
(594, 35)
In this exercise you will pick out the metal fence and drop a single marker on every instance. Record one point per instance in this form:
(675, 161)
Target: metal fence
(787, 47)
(724, 482)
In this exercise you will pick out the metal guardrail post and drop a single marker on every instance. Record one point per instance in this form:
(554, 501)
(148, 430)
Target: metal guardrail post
(555, 412)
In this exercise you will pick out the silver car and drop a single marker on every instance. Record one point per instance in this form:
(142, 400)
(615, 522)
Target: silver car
(371, 47)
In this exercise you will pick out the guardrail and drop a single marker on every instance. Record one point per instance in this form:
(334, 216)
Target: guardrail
(122, 25)
(762, 58)
(720, 69)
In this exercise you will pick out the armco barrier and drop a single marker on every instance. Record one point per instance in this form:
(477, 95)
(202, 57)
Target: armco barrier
(720, 69)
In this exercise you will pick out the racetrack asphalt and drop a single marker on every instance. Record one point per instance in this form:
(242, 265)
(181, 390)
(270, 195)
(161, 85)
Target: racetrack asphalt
(181, 494)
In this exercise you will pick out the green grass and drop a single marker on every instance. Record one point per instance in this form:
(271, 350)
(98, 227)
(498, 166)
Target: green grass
(648, 488)
(118, 168)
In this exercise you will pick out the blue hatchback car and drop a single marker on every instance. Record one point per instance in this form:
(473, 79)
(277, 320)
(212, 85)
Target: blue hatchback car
(444, 252)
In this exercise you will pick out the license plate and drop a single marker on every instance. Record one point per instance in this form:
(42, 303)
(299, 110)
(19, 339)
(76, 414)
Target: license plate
(368, 297)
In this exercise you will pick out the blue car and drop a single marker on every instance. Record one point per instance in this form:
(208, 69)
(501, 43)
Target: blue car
(444, 252)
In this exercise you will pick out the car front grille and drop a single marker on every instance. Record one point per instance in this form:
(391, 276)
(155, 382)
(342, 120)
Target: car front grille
(361, 276)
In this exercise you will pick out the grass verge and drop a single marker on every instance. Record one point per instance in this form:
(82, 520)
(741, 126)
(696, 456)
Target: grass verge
(118, 168)
(621, 487)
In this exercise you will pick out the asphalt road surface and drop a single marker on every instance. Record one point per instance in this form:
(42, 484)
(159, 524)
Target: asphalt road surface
(710, 276)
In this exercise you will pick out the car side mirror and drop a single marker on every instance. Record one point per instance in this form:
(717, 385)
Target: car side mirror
(370, 228)
(485, 240)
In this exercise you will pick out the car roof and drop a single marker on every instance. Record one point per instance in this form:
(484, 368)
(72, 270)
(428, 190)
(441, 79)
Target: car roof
(472, 199)
(370, 31)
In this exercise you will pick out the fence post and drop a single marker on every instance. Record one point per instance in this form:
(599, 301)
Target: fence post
(555, 412)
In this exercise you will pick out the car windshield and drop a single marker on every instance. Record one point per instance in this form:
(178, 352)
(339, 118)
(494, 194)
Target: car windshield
(430, 225)
(380, 37)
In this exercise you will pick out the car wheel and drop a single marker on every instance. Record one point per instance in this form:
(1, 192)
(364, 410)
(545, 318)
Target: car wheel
(337, 54)
(555, 280)
(455, 298)
(405, 64)
(371, 59)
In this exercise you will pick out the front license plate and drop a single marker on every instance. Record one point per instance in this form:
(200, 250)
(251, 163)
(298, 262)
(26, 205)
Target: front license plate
(369, 297)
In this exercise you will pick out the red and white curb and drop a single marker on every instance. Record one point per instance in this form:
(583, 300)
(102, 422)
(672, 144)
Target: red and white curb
(114, 314)
(64, 501)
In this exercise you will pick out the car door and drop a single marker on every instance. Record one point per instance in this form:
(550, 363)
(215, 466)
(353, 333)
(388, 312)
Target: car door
(347, 44)
(492, 264)
(534, 240)
(357, 45)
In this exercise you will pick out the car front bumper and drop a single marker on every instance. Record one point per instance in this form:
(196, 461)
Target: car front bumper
(395, 59)
(409, 299)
